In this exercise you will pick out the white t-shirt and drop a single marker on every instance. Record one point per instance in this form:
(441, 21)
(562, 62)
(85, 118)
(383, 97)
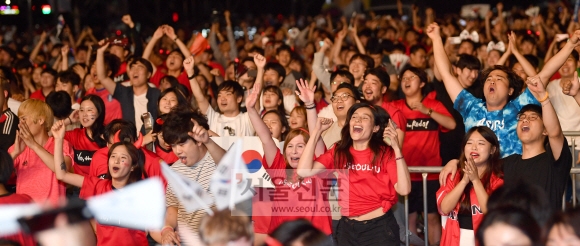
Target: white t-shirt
(289, 102)
(76, 106)
(239, 125)
(566, 108)
(140, 103)
(14, 105)
(327, 112)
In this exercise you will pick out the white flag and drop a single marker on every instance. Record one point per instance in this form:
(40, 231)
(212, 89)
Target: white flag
(9, 214)
(230, 183)
(190, 193)
(138, 206)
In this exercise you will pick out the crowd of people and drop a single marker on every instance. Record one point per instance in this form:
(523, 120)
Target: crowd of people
(341, 106)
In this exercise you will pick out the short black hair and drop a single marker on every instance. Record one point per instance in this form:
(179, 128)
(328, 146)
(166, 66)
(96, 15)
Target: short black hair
(82, 48)
(350, 87)
(51, 72)
(178, 124)
(9, 50)
(143, 61)
(128, 130)
(342, 73)
(60, 103)
(284, 47)
(515, 81)
(232, 85)
(473, 44)
(23, 63)
(531, 108)
(415, 48)
(381, 74)
(529, 39)
(69, 76)
(256, 49)
(6, 167)
(367, 59)
(468, 61)
(276, 67)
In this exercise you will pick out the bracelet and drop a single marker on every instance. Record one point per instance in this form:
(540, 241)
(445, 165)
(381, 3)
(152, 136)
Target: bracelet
(191, 77)
(165, 228)
(399, 158)
(545, 103)
(69, 119)
(545, 98)
(430, 111)
(311, 107)
(175, 39)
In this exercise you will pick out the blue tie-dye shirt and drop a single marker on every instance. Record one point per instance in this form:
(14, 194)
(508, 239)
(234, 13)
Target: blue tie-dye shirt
(503, 122)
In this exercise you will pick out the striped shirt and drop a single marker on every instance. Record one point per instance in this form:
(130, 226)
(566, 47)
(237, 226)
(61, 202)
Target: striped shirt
(8, 126)
(200, 172)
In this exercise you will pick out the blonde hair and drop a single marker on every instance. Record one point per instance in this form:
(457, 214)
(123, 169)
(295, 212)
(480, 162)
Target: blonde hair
(37, 110)
(225, 226)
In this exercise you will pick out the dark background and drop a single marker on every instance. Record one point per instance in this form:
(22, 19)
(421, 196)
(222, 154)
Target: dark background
(104, 15)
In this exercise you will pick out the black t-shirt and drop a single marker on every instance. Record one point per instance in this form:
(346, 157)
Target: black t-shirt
(8, 126)
(541, 170)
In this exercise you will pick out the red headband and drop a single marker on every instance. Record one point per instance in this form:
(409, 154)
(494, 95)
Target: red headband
(304, 130)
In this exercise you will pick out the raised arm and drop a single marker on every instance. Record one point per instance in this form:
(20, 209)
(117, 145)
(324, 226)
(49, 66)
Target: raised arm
(354, 33)
(203, 104)
(134, 35)
(403, 185)
(335, 51)
(549, 117)
(306, 94)
(318, 65)
(503, 59)
(201, 136)
(38, 46)
(58, 130)
(45, 156)
(170, 32)
(558, 60)
(262, 130)
(231, 38)
(526, 65)
(64, 54)
(451, 83)
(260, 62)
(306, 165)
(571, 88)
(452, 197)
(158, 34)
(107, 82)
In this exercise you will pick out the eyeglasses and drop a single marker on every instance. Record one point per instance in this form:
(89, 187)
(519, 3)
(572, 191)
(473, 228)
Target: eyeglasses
(530, 117)
(408, 78)
(342, 97)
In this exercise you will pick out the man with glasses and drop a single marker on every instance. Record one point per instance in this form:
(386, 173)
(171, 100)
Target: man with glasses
(337, 78)
(543, 163)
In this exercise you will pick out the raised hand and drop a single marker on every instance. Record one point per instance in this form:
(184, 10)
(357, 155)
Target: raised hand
(199, 134)
(342, 34)
(305, 93)
(391, 133)
(64, 50)
(19, 145)
(252, 97)
(169, 31)
(536, 86)
(571, 87)
(58, 129)
(434, 31)
(322, 124)
(74, 116)
(158, 33)
(103, 48)
(260, 61)
(188, 64)
(512, 43)
(327, 44)
(575, 37)
(128, 21)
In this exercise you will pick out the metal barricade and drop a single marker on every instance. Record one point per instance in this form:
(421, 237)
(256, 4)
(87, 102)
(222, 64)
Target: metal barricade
(425, 170)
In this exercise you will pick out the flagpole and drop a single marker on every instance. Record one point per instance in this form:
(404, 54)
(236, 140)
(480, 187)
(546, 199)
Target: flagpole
(205, 207)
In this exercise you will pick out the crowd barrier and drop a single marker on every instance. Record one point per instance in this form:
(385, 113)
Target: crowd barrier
(424, 170)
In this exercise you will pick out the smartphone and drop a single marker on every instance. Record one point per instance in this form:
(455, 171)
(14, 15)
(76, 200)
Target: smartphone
(147, 121)
(454, 40)
(321, 43)
(75, 210)
(560, 37)
(462, 22)
(392, 124)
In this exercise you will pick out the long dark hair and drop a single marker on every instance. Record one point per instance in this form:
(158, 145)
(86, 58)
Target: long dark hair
(283, 121)
(181, 98)
(277, 91)
(494, 165)
(514, 217)
(98, 127)
(137, 161)
(342, 156)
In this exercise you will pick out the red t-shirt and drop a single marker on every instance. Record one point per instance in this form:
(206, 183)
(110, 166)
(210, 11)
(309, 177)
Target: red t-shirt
(112, 106)
(38, 95)
(302, 197)
(110, 235)
(215, 65)
(35, 179)
(83, 149)
(159, 74)
(422, 133)
(100, 164)
(11, 199)
(166, 155)
(365, 188)
(396, 115)
(262, 209)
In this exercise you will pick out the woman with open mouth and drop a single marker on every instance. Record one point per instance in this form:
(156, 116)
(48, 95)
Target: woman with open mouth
(302, 194)
(124, 168)
(464, 198)
(370, 172)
